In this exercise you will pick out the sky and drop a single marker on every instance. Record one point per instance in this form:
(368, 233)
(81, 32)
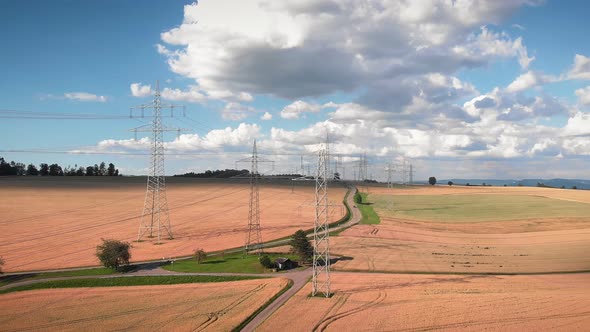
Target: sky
(458, 88)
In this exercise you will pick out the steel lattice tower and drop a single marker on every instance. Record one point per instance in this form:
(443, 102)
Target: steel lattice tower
(254, 237)
(155, 220)
(321, 237)
(389, 170)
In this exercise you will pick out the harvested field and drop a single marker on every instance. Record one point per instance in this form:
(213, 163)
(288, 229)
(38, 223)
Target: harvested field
(467, 240)
(203, 306)
(56, 223)
(387, 302)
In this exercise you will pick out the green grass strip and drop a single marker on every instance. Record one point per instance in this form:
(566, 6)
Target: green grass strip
(370, 217)
(228, 263)
(8, 279)
(124, 281)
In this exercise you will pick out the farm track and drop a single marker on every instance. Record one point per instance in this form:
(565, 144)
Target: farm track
(323, 325)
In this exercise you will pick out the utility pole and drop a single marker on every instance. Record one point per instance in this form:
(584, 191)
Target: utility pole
(321, 237)
(155, 217)
(254, 236)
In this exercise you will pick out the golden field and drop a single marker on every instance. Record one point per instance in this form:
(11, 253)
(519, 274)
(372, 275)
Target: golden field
(56, 223)
(481, 240)
(392, 302)
(187, 307)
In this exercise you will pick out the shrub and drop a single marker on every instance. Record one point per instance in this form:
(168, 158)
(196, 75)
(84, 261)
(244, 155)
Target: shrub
(113, 253)
(200, 255)
(266, 262)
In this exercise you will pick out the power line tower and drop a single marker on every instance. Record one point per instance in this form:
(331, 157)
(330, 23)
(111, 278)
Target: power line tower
(411, 174)
(389, 170)
(155, 220)
(362, 167)
(254, 236)
(321, 237)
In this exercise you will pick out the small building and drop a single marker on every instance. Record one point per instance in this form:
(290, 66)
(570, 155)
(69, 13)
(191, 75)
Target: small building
(283, 263)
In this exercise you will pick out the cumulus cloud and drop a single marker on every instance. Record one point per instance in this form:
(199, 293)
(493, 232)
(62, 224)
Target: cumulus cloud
(327, 46)
(84, 96)
(266, 116)
(528, 80)
(297, 108)
(580, 69)
(214, 140)
(236, 111)
(584, 95)
(140, 90)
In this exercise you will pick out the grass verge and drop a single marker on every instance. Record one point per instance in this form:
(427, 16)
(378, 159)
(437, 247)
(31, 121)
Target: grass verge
(266, 304)
(8, 279)
(124, 281)
(228, 263)
(370, 217)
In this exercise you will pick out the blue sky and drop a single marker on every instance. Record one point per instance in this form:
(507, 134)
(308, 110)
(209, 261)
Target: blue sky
(479, 88)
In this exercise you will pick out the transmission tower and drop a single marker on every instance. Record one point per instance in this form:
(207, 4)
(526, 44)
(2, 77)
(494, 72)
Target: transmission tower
(155, 220)
(411, 174)
(389, 170)
(321, 254)
(254, 236)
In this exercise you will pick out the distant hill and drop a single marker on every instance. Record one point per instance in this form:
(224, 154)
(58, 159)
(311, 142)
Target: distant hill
(555, 183)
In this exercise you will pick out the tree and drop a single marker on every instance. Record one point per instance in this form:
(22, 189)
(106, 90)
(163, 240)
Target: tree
(200, 255)
(55, 170)
(89, 171)
(266, 262)
(43, 169)
(111, 169)
(80, 171)
(574, 187)
(432, 180)
(32, 170)
(102, 169)
(113, 253)
(301, 247)
(450, 183)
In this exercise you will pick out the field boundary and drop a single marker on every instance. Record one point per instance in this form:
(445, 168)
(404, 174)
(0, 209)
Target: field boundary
(461, 273)
(125, 281)
(264, 306)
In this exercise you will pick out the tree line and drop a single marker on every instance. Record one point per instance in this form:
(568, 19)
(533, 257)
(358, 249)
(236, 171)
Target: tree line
(227, 173)
(14, 168)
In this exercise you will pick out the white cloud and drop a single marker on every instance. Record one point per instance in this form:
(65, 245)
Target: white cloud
(580, 69)
(214, 140)
(528, 80)
(194, 94)
(491, 44)
(236, 111)
(266, 116)
(191, 95)
(327, 46)
(584, 95)
(297, 108)
(139, 90)
(84, 96)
